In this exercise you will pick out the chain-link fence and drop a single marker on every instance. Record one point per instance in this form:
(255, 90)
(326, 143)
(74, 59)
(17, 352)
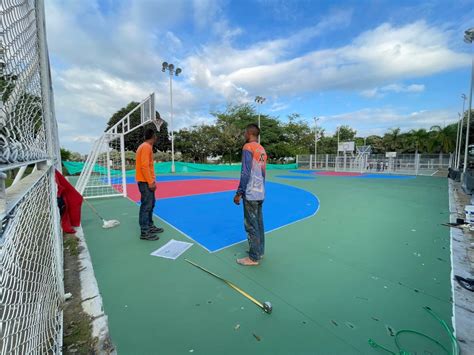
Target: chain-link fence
(409, 164)
(31, 281)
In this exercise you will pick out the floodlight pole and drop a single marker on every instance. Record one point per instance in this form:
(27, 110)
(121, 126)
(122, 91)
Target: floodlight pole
(316, 119)
(469, 38)
(172, 71)
(459, 135)
(259, 100)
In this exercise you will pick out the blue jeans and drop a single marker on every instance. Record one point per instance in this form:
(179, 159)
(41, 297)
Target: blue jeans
(253, 222)
(146, 207)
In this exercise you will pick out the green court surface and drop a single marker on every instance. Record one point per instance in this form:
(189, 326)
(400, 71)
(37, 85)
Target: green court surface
(362, 267)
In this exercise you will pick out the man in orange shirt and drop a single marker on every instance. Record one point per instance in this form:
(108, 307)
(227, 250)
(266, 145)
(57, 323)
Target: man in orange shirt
(145, 176)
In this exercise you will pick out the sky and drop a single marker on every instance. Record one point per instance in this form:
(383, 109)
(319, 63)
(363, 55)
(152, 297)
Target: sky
(373, 65)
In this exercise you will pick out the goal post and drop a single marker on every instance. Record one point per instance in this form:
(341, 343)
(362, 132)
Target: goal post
(105, 172)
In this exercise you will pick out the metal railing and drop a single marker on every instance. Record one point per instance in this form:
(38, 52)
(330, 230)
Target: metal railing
(408, 164)
(31, 267)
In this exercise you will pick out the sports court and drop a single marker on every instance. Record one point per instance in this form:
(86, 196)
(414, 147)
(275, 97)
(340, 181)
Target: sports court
(348, 258)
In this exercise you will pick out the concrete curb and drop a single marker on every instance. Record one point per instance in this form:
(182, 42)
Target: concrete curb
(92, 300)
(463, 300)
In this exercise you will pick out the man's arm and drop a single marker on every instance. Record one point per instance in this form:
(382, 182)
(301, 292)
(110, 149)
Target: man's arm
(245, 171)
(145, 167)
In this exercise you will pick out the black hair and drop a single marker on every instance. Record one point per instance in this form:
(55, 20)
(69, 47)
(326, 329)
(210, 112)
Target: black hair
(149, 133)
(253, 129)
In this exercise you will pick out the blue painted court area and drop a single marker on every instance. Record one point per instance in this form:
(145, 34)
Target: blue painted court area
(304, 171)
(215, 222)
(293, 177)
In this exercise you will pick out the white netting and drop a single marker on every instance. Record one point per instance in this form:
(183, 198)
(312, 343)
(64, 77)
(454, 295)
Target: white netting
(22, 128)
(102, 175)
(31, 274)
(31, 282)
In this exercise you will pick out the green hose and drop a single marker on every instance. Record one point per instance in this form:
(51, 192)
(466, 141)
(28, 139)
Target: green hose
(401, 351)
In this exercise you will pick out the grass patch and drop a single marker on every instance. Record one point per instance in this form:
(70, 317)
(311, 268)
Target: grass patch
(77, 338)
(71, 244)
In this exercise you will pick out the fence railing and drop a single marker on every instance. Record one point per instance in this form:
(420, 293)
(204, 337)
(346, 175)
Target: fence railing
(409, 164)
(31, 266)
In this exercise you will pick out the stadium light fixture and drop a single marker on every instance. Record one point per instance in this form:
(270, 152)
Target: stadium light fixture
(172, 72)
(259, 101)
(468, 38)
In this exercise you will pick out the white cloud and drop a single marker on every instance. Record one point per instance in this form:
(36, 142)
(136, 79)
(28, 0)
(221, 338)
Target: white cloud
(378, 120)
(278, 106)
(85, 139)
(392, 88)
(375, 57)
(103, 61)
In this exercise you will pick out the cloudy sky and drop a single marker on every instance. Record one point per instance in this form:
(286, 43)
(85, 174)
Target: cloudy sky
(373, 65)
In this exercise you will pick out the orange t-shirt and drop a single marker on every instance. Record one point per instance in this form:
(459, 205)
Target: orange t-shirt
(144, 169)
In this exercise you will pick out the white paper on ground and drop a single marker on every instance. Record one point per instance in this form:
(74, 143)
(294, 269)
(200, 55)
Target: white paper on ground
(172, 250)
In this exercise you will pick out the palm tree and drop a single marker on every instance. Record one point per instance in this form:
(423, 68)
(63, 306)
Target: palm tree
(392, 139)
(420, 139)
(443, 138)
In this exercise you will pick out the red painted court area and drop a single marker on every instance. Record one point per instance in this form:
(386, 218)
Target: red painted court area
(335, 173)
(169, 189)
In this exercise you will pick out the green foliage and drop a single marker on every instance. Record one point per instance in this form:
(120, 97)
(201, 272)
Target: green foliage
(282, 139)
(65, 154)
(135, 138)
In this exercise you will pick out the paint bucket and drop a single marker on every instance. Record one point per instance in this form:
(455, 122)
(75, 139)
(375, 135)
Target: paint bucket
(469, 210)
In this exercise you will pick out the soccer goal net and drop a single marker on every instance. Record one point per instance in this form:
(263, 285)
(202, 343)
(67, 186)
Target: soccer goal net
(105, 171)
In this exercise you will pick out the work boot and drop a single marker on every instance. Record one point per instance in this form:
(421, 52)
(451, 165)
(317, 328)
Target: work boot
(148, 236)
(155, 229)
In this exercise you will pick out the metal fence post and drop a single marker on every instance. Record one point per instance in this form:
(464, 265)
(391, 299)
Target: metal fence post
(327, 161)
(51, 128)
(417, 163)
(122, 152)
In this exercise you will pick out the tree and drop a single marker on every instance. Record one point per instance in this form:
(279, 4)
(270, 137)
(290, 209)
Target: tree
(444, 138)
(346, 134)
(198, 143)
(65, 154)
(419, 140)
(76, 157)
(135, 138)
(376, 143)
(391, 140)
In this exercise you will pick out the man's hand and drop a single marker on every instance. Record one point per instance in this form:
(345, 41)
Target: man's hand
(237, 199)
(152, 186)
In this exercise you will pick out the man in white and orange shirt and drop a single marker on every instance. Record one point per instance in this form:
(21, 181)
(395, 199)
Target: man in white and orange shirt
(145, 176)
(252, 190)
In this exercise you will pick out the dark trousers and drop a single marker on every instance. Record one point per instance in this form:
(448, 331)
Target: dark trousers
(253, 222)
(146, 207)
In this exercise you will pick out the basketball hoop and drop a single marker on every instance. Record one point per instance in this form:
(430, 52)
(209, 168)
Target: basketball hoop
(158, 123)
